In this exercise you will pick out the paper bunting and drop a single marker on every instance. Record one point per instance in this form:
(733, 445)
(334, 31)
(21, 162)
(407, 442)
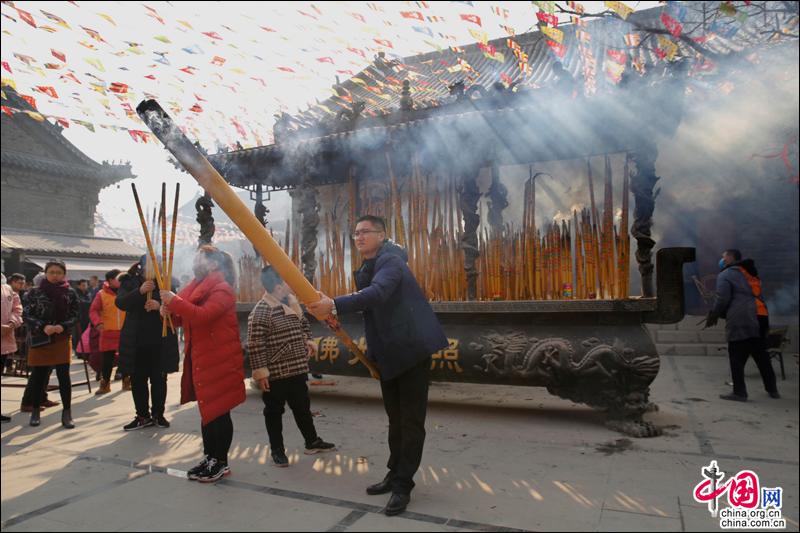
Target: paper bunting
(88, 125)
(27, 17)
(547, 7)
(35, 116)
(412, 15)
(28, 60)
(137, 135)
(558, 49)
(49, 91)
(553, 33)
(30, 99)
(475, 19)
(96, 63)
(632, 39)
(618, 56)
(118, 88)
(673, 26)
(547, 18)
(153, 13)
(614, 70)
(620, 9)
(509, 30)
(727, 9)
(72, 77)
(666, 48)
(55, 18)
(108, 18)
(59, 55)
(94, 34)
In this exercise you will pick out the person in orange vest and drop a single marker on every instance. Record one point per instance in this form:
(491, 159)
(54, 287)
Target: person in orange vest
(740, 302)
(108, 319)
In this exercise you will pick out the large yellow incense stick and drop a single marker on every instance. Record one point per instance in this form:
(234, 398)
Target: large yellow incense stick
(198, 166)
(149, 243)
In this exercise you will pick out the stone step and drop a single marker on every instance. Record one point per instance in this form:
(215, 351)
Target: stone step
(677, 337)
(692, 349)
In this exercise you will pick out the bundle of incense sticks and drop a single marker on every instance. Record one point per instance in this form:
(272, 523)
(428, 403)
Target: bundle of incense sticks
(585, 255)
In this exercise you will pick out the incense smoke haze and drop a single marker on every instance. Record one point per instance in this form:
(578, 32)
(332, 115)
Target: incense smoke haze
(723, 181)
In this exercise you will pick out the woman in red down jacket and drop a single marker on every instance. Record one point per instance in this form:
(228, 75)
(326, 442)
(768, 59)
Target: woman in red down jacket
(213, 365)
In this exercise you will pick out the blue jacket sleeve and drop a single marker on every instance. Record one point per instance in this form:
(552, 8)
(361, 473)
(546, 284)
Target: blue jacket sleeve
(387, 277)
(724, 294)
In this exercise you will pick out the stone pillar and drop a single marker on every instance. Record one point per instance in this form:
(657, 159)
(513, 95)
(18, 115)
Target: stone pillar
(203, 206)
(309, 211)
(643, 181)
(260, 210)
(498, 201)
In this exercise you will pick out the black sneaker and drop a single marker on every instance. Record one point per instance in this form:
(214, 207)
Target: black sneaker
(280, 460)
(775, 395)
(4, 418)
(138, 423)
(160, 421)
(319, 446)
(195, 471)
(733, 397)
(213, 472)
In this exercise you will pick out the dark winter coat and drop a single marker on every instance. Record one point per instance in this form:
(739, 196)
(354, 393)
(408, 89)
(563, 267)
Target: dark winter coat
(400, 326)
(142, 329)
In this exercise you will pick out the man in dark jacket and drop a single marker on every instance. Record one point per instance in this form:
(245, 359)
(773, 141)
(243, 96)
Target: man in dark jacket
(402, 332)
(84, 301)
(739, 301)
(143, 353)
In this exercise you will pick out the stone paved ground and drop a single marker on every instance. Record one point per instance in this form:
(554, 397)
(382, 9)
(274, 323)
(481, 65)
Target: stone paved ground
(496, 457)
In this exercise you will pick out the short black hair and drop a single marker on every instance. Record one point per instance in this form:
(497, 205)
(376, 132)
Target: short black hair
(16, 277)
(736, 254)
(376, 221)
(83, 281)
(55, 262)
(270, 278)
(112, 274)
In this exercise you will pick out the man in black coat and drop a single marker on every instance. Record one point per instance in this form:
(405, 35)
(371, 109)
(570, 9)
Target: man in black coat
(402, 332)
(143, 353)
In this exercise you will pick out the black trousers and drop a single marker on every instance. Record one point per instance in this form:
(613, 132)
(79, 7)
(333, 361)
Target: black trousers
(738, 352)
(147, 367)
(27, 396)
(293, 391)
(40, 375)
(405, 399)
(108, 364)
(217, 437)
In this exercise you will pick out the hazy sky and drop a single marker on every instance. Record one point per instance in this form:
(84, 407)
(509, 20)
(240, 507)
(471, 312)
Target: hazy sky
(315, 40)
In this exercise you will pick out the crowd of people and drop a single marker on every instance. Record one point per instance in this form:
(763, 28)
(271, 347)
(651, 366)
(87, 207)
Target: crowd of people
(124, 320)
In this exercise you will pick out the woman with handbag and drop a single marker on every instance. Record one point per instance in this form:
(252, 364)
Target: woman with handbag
(50, 312)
